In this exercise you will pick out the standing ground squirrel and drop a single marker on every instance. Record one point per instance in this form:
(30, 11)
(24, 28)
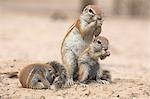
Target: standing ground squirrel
(79, 37)
(39, 76)
(89, 68)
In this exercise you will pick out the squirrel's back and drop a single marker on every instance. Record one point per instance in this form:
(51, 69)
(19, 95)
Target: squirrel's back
(26, 73)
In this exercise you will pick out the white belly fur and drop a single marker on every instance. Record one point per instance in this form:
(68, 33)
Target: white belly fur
(75, 42)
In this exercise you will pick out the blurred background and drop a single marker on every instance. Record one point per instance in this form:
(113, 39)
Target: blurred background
(134, 8)
(34, 30)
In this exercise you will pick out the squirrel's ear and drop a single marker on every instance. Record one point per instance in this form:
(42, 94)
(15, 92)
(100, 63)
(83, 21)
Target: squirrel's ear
(85, 9)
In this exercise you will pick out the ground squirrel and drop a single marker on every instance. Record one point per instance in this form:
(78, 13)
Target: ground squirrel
(79, 37)
(89, 67)
(39, 76)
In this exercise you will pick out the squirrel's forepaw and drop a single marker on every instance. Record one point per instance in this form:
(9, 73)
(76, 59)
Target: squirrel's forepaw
(103, 57)
(108, 53)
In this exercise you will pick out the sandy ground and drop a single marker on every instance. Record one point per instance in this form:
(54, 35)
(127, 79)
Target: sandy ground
(26, 39)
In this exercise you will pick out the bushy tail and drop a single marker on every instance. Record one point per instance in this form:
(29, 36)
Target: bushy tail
(59, 68)
(106, 76)
(61, 77)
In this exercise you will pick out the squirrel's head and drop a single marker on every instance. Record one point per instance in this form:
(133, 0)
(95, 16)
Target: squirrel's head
(100, 43)
(92, 13)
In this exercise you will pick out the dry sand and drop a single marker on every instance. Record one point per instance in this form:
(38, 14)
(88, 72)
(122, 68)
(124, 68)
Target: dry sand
(26, 39)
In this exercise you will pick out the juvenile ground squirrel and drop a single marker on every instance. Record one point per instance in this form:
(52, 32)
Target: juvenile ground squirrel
(39, 76)
(79, 37)
(89, 67)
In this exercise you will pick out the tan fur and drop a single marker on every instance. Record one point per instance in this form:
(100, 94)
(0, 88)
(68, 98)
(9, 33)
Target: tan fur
(89, 68)
(78, 38)
(27, 73)
(40, 76)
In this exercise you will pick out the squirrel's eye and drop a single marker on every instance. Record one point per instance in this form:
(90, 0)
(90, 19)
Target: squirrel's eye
(91, 11)
(99, 42)
(106, 49)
